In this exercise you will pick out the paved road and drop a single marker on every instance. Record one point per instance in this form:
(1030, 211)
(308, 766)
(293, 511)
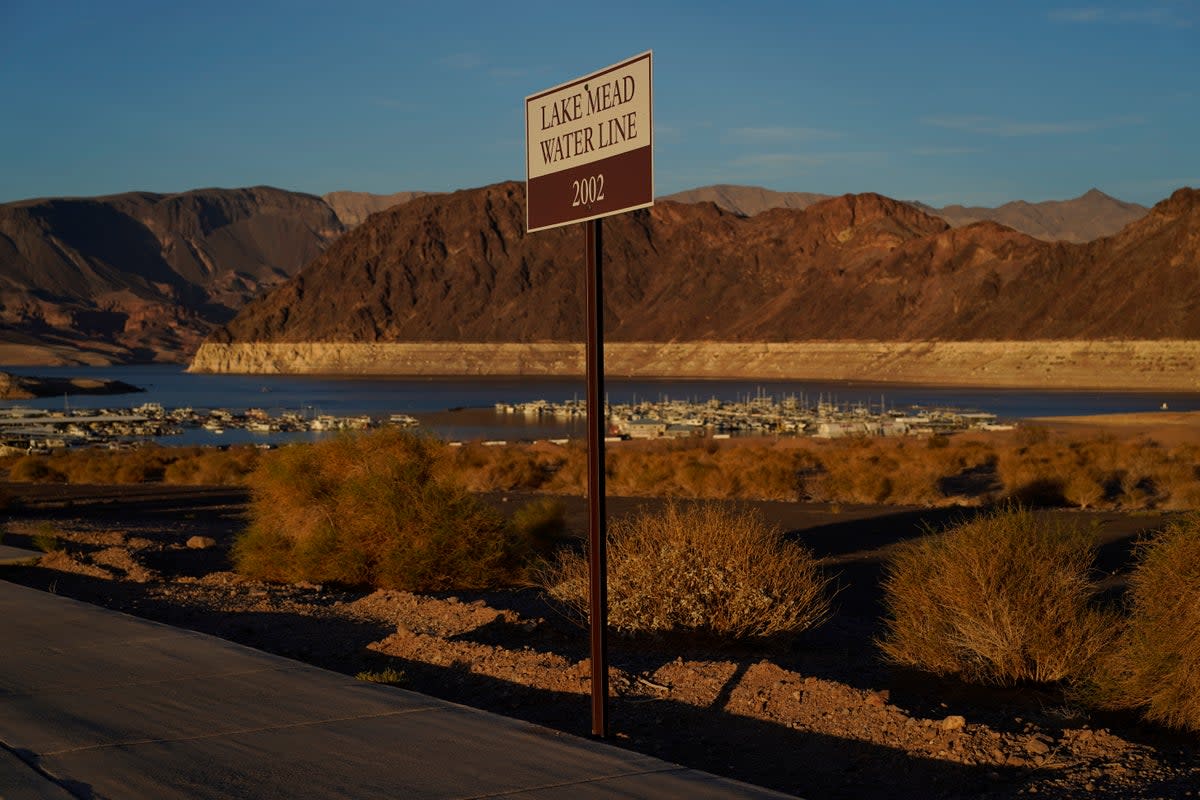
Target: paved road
(94, 703)
(17, 555)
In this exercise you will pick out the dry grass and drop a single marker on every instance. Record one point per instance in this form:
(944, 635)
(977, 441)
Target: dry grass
(149, 463)
(1155, 665)
(389, 676)
(34, 469)
(706, 568)
(208, 467)
(376, 510)
(1001, 599)
(1034, 467)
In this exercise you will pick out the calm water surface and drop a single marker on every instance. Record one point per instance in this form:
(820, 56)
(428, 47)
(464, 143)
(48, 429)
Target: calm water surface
(451, 406)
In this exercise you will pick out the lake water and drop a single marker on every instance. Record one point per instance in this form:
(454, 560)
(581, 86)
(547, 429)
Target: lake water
(461, 408)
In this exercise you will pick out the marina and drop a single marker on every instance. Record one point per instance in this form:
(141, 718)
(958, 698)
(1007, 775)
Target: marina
(40, 430)
(763, 415)
(270, 410)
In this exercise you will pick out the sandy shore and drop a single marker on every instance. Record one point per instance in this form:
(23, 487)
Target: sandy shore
(1168, 427)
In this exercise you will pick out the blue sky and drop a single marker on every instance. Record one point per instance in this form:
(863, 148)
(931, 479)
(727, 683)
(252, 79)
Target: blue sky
(978, 103)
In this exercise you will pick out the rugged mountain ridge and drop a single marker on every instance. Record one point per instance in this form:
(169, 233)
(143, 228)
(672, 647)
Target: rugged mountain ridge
(143, 276)
(353, 208)
(136, 275)
(460, 267)
(746, 200)
(1092, 215)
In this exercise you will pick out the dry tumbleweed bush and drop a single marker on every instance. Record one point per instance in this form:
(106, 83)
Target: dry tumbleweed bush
(699, 567)
(1004, 598)
(1155, 665)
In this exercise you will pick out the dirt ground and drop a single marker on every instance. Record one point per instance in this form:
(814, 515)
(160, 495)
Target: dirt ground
(817, 715)
(1166, 427)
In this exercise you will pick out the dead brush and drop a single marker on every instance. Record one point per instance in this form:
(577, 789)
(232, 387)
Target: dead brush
(206, 467)
(1154, 666)
(35, 469)
(1004, 598)
(488, 469)
(698, 567)
(377, 509)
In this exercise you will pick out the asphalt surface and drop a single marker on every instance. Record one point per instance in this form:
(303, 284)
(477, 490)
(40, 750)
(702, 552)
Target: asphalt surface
(16, 555)
(99, 704)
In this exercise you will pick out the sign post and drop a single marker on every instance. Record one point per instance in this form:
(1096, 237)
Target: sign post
(589, 155)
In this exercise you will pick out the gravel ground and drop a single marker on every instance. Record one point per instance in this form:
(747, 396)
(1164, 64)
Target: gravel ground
(818, 715)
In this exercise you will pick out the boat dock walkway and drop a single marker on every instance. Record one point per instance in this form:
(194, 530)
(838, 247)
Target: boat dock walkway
(95, 703)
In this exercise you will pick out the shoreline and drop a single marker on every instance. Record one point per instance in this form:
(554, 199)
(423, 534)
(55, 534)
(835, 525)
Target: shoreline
(1168, 365)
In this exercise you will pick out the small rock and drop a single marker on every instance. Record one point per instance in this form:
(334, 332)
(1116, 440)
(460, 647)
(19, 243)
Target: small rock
(201, 542)
(1037, 747)
(953, 722)
(879, 698)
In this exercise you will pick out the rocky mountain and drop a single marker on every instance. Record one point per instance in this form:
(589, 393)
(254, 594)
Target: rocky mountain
(460, 267)
(1090, 216)
(140, 276)
(1087, 217)
(746, 200)
(352, 208)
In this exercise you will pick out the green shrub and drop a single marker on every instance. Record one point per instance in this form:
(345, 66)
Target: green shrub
(47, 538)
(1001, 599)
(1155, 665)
(699, 568)
(373, 509)
(389, 676)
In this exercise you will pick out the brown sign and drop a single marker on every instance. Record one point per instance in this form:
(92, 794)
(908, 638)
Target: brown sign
(589, 146)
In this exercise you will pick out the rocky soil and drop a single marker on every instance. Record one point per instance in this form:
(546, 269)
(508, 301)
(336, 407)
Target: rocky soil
(817, 715)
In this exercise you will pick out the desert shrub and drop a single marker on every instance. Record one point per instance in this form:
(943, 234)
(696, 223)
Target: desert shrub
(47, 538)
(640, 470)
(1155, 664)
(541, 523)
(374, 509)
(858, 471)
(34, 469)
(765, 472)
(484, 468)
(698, 568)
(389, 676)
(208, 467)
(1180, 482)
(92, 465)
(1003, 598)
(567, 469)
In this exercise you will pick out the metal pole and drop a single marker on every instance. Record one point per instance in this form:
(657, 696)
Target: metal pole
(597, 418)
